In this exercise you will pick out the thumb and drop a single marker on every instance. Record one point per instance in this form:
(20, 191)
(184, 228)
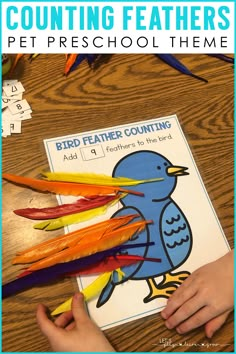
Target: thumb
(215, 323)
(78, 309)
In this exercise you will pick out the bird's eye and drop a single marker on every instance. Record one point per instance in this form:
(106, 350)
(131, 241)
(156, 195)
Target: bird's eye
(159, 167)
(165, 164)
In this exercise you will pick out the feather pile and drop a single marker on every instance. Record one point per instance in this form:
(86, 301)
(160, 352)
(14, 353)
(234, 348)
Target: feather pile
(74, 60)
(93, 249)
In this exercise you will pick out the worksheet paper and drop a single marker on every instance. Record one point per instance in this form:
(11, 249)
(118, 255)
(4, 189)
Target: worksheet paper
(100, 151)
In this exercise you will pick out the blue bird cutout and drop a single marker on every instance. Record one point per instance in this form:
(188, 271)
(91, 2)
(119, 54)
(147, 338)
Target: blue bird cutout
(170, 231)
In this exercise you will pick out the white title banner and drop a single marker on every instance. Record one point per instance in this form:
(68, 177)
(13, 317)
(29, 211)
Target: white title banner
(118, 27)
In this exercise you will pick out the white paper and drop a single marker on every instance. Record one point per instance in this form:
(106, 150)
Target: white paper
(99, 152)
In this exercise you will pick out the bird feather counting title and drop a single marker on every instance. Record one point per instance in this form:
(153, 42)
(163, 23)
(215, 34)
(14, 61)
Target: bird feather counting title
(113, 27)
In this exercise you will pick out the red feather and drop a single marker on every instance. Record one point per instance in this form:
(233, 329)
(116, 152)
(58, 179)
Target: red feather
(65, 209)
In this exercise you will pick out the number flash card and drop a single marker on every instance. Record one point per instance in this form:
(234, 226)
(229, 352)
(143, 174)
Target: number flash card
(13, 89)
(14, 108)
(19, 107)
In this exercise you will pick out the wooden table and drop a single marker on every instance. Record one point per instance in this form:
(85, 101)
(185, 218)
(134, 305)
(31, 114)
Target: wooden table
(119, 89)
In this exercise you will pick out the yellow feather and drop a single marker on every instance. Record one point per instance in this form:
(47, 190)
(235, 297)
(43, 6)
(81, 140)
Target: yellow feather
(96, 179)
(91, 291)
(58, 223)
(121, 274)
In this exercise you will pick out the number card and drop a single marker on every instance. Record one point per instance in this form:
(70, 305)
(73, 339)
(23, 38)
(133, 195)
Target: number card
(9, 82)
(6, 101)
(13, 89)
(19, 106)
(14, 109)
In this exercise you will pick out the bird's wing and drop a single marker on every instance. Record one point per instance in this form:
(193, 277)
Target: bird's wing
(176, 234)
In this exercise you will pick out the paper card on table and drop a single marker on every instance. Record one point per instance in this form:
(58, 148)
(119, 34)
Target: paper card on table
(14, 97)
(9, 82)
(13, 89)
(19, 106)
(15, 126)
(6, 114)
(6, 130)
(23, 115)
(178, 205)
(6, 101)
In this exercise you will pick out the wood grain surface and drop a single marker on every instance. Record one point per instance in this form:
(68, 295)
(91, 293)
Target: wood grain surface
(117, 90)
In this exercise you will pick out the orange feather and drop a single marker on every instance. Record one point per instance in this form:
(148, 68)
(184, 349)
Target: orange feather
(57, 244)
(85, 248)
(66, 188)
(17, 58)
(70, 61)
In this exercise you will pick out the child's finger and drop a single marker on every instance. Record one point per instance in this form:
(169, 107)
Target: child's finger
(215, 323)
(188, 309)
(78, 309)
(198, 319)
(70, 326)
(64, 319)
(46, 326)
(179, 297)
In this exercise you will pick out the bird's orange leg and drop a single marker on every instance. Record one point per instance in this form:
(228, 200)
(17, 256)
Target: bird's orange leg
(176, 278)
(166, 288)
(157, 291)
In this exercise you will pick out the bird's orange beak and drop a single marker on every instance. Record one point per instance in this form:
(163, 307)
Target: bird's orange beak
(177, 171)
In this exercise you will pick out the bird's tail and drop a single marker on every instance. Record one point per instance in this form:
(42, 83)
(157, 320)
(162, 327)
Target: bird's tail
(105, 294)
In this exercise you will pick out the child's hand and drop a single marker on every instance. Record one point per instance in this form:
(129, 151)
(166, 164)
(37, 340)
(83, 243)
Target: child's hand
(205, 298)
(81, 335)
